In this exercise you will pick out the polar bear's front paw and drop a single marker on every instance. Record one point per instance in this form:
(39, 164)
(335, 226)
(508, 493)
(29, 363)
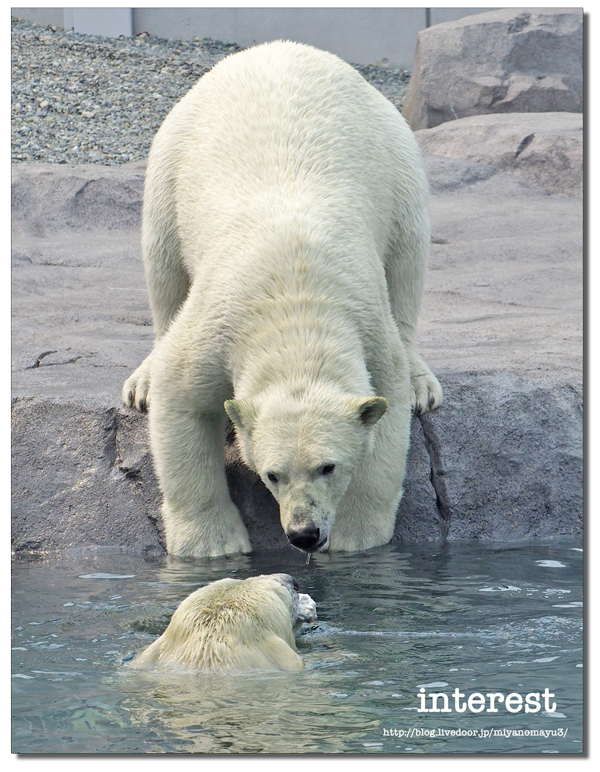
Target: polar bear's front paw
(214, 547)
(214, 534)
(136, 389)
(426, 392)
(232, 544)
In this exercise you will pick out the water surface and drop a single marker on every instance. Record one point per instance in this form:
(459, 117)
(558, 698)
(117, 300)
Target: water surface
(486, 619)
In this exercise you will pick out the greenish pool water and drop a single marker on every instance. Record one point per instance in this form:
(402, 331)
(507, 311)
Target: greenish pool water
(480, 619)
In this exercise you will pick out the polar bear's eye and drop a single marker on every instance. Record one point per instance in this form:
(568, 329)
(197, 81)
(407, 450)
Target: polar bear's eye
(328, 469)
(272, 477)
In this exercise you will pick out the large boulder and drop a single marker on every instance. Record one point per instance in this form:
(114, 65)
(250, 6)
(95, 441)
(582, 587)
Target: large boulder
(544, 148)
(515, 60)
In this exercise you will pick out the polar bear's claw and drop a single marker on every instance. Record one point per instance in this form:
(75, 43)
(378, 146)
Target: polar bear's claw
(426, 393)
(136, 388)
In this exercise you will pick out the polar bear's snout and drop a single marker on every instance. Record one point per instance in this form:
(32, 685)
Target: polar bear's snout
(307, 522)
(307, 538)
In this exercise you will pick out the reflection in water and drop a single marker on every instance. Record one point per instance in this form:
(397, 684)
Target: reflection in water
(393, 619)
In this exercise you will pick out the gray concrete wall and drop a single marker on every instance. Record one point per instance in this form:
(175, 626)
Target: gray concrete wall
(108, 22)
(45, 16)
(440, 15)
(383, 36)
(363, 35)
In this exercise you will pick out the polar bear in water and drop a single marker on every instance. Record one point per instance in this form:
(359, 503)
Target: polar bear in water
(285, 239)
(233, 625)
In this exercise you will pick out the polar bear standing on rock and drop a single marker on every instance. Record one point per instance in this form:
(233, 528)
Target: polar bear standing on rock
(233, 626)
(285, 240)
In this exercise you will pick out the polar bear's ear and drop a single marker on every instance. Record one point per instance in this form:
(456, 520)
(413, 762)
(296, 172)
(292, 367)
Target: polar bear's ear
(241, 412)
(370, 409)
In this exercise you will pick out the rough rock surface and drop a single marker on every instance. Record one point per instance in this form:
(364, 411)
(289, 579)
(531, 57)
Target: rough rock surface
(544, 148)
(514, 60)
(501, 326)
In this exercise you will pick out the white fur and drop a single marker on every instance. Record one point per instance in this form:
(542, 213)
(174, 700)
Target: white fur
(285, 239)
(231, 626)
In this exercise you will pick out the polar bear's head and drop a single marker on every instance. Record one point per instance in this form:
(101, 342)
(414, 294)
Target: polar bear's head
(306, 445)
(232, 625)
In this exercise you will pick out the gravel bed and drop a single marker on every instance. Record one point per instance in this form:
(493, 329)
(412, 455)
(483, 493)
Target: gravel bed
(86, 99)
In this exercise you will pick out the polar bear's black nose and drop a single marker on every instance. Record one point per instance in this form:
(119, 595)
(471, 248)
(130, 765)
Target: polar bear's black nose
(306, 538)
